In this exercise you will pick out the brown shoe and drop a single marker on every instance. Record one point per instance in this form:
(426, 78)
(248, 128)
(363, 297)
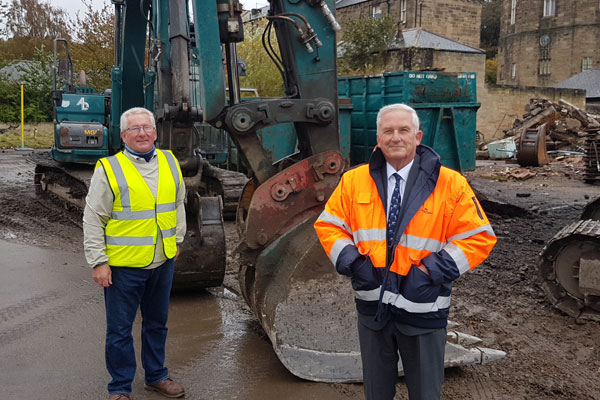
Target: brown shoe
(168, 388)
(119, 396)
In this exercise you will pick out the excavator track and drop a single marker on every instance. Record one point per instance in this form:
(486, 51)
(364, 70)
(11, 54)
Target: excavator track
(64, 183)
(569, 266)
(227, 184)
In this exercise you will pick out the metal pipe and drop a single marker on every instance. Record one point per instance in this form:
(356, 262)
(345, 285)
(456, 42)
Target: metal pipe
(232, 73)
(118, 33)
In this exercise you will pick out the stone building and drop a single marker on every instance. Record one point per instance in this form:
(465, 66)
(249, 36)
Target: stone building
(459, 20)
(543, 42)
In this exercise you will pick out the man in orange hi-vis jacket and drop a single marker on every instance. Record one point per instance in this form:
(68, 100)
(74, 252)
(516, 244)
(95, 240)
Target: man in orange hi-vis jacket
(403, 228)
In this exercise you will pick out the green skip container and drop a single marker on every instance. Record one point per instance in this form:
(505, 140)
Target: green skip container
(445, 102)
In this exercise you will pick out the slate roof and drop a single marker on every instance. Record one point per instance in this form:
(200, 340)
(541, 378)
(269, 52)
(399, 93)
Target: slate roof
(346, 3)
(588, 80)
(423, 39)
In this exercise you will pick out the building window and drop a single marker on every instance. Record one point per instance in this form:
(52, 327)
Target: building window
(545, 67)
(545, 62)
(514, 71)
(549, 8)
(513, 11)
(403, 11)
(377, 12)
(586, 63)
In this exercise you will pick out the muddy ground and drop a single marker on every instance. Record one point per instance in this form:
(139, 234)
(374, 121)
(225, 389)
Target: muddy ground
(549, 355)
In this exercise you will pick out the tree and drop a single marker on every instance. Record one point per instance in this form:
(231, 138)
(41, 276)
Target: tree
(37, 86)
(491, 70)
(365, 43)
(262, 72)
(93, 43)
(21, 48)
(490, 26)
(32, 19)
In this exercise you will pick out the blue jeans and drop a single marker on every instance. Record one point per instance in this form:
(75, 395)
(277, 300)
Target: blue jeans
(148, 290)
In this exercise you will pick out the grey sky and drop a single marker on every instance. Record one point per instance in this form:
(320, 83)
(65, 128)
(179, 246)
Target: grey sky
(72, 6)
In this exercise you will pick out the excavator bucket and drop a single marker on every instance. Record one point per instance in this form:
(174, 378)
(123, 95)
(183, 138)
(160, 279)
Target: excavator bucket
(304, 306)
(308, 312)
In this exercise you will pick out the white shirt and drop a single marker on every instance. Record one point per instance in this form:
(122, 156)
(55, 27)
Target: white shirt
(391, 182)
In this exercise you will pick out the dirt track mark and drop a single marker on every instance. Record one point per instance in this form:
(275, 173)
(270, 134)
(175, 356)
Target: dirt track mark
(8, 313)
(54, 314)
(482, 387)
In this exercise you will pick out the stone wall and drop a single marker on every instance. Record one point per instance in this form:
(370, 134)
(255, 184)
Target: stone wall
(564, 40)
(458, 20)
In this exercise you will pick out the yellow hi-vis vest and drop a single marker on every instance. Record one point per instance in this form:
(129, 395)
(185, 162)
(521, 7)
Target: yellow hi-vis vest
(131, 232)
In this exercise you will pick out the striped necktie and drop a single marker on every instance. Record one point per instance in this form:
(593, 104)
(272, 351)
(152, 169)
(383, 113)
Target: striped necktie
(394, 209)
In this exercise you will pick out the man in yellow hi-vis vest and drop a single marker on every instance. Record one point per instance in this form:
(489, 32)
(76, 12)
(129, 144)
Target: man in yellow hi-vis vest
(133, 223)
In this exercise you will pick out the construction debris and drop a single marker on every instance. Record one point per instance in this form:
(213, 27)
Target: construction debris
(550, 127)
(567, 125)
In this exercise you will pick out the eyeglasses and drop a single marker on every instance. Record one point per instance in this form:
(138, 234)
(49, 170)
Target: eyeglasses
(138, 129)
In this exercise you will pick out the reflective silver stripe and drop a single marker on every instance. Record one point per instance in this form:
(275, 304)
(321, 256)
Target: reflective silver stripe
(130, 240)
(459, 257)
(128, 215)
(337, 248)
(484, 228)
(174, 171)
(368, 295)
(166, 207)
(121, 182)
(419, 243)
(333, 220)
(362, 235)
(398, 301)
(166, 233)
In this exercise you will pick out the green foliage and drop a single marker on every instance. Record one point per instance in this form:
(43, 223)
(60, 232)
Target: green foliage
(37, 88)
(30, 27)
(262, 72)
(365, 43)
(491, 70)
(92, 46)
(10, 101)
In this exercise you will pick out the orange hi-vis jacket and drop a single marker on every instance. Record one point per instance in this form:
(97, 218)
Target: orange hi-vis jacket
(441, 226)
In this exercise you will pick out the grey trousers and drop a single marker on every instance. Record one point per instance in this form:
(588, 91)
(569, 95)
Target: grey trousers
(421, 351)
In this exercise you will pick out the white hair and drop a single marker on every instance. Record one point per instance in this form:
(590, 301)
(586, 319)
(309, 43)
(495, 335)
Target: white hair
(135, 111)
(399, 106)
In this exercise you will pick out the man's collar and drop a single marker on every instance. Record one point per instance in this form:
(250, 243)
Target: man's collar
(403, 171)
(138, 158)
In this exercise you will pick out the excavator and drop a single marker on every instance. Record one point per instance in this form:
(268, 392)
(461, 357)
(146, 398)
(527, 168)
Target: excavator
(569, 266)
(304, 306)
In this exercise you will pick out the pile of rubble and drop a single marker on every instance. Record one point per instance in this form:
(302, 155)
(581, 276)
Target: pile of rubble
(570, 135)
(567, 125)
